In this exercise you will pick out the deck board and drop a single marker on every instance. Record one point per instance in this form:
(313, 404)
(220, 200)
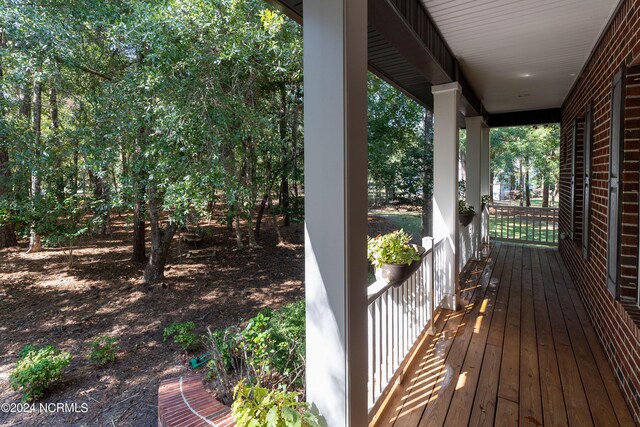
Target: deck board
(521, 352)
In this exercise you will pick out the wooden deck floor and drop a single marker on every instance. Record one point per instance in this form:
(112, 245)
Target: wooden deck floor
(522, 352)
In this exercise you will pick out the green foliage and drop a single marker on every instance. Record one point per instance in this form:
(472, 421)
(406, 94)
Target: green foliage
(288, 333)
(104, 350)
(465, 209)
(396, 135)
(183, 335)
(486, 199)
(269, 350)
(258, 407)
(391, 248)
(518, 150)
(205, 84)
(37, 369)
(256, 340)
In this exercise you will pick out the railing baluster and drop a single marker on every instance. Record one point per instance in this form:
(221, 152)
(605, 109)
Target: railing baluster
(520, 224)
(385, 341)
(371, 355)
(397, 316)
(378, 349)
(546, 228)
(539, 225)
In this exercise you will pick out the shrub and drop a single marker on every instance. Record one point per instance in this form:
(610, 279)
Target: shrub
(183, 335)
(37, 369)
(258, 407)
(103, 350)
(268, 351)
(288, 332)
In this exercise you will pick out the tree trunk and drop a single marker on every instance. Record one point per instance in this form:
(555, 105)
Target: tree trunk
(263, 205)
(55, 130)
(101, 194)
(527, 190)
(7, 230)
(139, 250)
(295, 140)
(237, 227)
(74, 178)
(160, 242)
(427, 178)
(35, 244)
(284, 181)
(521, 185)
(274, 222)
(545, 192)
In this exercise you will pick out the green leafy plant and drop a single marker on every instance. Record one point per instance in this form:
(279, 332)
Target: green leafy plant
(288, 333)
(268, 351)
(486, 199)
(465, 209)
(392, 248)
(259, 407)
(103, 350)
(183, 335)
(37, 369)
(257, 341)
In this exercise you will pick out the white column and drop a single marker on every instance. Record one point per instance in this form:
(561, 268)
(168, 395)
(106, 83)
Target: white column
(474, 165)
(335, 111)
(485, 172)
(445, 185)
(474, 147)
(486, 186)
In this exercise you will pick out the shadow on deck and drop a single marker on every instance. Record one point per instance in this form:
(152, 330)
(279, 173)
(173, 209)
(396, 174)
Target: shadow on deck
(521, 352)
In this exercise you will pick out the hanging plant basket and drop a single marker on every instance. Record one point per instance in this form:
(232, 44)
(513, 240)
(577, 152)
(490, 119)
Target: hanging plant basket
(465, 218)
(397, 274)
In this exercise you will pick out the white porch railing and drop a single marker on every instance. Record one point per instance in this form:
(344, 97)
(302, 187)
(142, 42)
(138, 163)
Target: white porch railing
(469, 240)
(399, 315)
(397, 318)
(524, 224)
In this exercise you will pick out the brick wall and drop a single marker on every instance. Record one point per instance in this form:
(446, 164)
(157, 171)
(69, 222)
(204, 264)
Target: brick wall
(619, 335)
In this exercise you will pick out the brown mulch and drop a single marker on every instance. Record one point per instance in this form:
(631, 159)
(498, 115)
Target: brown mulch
(44, 302)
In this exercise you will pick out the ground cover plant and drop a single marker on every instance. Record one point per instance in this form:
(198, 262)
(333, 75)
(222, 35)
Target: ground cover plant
(37, 369)
(104, 350)
(182, 335)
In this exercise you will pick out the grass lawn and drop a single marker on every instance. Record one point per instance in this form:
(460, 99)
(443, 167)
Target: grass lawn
(534, 231)
(535, 202)
(408, 221)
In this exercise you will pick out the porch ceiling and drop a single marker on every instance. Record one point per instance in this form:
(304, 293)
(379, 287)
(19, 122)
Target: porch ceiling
(515, 60)
(521, 54)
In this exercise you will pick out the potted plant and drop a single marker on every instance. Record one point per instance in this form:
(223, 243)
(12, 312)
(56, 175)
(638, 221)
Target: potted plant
(393, 256)
(465, 213)
(486, 199)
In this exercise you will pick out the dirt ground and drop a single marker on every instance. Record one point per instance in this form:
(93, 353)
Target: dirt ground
(44, 302)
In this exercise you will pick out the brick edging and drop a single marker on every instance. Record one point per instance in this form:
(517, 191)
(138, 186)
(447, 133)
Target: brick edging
(184, 401)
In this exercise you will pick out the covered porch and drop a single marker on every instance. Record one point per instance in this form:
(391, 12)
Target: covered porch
(514, 342)
(522, 351)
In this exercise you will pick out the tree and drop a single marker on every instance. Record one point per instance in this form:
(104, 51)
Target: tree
(526, 154)
(396, 137)
(7, 229)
